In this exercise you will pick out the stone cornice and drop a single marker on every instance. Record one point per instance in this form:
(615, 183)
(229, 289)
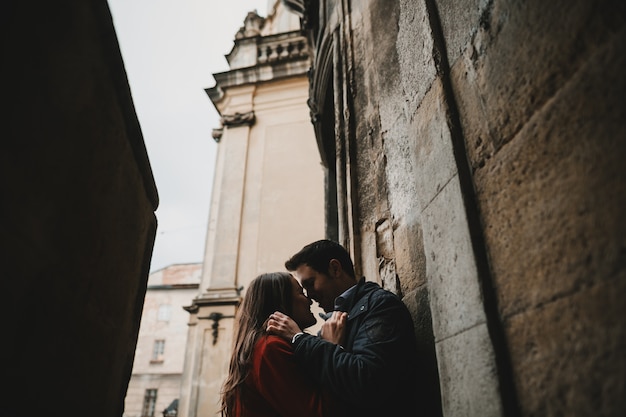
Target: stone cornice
(258, 50)
(269, 58)
(213, 297)
(255, 74)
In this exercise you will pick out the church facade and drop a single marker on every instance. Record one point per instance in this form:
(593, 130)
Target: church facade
(268, 191)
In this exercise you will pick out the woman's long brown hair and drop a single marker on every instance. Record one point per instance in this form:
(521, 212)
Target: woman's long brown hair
(266, 294)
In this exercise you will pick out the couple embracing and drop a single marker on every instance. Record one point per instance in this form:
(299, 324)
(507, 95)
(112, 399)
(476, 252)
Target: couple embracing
(361, 363)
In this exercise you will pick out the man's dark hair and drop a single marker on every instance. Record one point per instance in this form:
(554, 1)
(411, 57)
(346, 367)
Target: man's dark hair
(318, 255)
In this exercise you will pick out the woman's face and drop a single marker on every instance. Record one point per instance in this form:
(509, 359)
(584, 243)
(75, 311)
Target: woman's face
(301, 314)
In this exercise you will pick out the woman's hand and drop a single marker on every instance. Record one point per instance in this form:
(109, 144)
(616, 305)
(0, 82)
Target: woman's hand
(282, 325)
(333, 329)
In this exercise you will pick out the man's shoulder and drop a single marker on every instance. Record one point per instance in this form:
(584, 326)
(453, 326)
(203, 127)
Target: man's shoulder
(372, 299)
(383, 315)
(373, 290)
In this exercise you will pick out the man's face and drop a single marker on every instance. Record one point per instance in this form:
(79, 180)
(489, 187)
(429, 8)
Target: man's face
(301, 308)
(319, 287)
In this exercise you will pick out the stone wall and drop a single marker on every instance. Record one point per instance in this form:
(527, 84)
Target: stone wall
(541, 106)
(484, 145)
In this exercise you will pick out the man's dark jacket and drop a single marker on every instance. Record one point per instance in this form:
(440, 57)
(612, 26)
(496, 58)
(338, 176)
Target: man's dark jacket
(375, 371)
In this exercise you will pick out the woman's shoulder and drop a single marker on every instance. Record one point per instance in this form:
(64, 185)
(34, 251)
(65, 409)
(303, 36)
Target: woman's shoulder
(270, 348)
(270, 341)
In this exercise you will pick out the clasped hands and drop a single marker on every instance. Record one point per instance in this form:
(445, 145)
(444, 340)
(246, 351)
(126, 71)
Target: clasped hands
(332, 330)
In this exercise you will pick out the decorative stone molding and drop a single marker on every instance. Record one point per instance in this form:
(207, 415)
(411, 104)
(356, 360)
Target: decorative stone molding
(217, 134)
(216, 317)
(273, 49)
(282, 49)
(233, 120)
(238, 119)
(251, 26)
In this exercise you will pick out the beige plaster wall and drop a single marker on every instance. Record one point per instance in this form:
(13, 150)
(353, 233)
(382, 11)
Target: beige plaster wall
(267, 202)
(284, 182)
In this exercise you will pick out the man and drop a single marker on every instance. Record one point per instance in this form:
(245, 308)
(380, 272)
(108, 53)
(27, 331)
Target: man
(373, 369)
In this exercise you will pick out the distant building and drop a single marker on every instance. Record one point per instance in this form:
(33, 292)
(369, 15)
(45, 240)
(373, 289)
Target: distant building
(268, 193)
(155, 381)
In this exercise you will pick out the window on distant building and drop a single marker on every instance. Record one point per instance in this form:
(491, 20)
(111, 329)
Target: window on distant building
(165, 312)
(157, 351)
(149, 403)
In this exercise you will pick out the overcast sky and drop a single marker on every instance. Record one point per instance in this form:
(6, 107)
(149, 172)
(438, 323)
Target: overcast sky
(170, 49)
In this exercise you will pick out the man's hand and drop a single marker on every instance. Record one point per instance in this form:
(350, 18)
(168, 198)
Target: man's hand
(282, 325)
(333, 329)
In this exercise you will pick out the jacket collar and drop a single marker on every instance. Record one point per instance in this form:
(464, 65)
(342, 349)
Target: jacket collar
(359, 304)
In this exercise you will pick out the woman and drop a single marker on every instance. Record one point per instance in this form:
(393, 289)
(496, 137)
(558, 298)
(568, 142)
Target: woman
(263, 378)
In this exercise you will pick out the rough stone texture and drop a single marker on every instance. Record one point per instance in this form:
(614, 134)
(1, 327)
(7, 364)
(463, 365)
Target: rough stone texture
(387, 199)
(553, 200)
(432, 147)
(555, 194)
(409, 253)
(369, 257)
(373, 206)
(544, 125)
(385, 253)
(574, 339)
(456, 300)
(459, 20)
(402, 112)
(414, 46)
(516, 78)
(466, 384)
(503, 175)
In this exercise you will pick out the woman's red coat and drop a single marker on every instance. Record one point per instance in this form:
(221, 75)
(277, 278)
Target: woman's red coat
(276, 387)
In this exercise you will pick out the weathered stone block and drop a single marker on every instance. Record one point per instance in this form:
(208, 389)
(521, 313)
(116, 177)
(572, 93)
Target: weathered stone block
(516, 78)
(460, 20)
(552, 200)
(432, 151)
(415, 54)
(399, 169)
(369, 260)
(409, 253)
(473, 115)
(383, 17)
(569, 355)
(456, 300)
(469, 384)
